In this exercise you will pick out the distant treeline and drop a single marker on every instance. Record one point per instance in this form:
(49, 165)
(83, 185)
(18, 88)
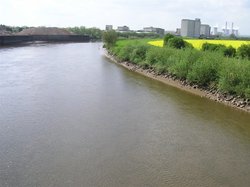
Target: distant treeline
(12, 29)
(94, 33)
(97, 33)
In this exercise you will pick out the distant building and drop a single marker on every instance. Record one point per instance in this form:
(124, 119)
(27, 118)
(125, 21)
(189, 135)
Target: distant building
(190, 28)
(215, 31)
(194, 28)
(154, 30)
(178, 32)
(109, 27)
(170, 32)
(205, 30)
(123, 29)
(226, 30)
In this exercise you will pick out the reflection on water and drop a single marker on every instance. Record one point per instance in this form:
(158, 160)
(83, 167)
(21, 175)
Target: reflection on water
(69, 117)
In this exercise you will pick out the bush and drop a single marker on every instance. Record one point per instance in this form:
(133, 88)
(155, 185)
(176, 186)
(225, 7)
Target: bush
(244, 51)
(229, 51)
(125, 52)
(177, 43)
(167, 37)
(187, 58)
(235, 77)
(226, 51)
(159, 55)
(139, 53)
(205, 70)
(213, 47)
(162, 58)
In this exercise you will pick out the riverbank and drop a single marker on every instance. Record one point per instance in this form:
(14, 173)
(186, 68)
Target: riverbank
(226, 99)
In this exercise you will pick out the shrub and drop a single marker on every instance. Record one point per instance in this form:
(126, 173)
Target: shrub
(167, 37)
(159, 55)
(187, 58)
(139, 53)
(162, 58)
(176, 42)
(205, 70)
(226, 51)
(244, 51)
(125, 52)
(235, 77)
(229, 51)
(213, 47)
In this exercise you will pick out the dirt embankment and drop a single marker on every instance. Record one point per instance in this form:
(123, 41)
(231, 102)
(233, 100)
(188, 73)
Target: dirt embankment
(215, 95)
(5, 33)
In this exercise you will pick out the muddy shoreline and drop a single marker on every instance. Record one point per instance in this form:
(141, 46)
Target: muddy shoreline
(226, 99)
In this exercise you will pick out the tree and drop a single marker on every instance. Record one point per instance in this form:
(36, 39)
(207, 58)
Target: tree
(177, 43)
(109, 38)
(167, 37)
(93, 32)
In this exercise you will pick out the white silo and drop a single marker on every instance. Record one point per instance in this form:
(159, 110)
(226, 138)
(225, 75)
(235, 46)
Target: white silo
(215, 30)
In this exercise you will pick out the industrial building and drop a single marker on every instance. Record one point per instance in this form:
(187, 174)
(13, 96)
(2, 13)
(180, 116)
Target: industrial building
(123, 29)
(190, 28)
(109, 27)
(205, 30)
(154, 30)
(194, 28)
(227, 31)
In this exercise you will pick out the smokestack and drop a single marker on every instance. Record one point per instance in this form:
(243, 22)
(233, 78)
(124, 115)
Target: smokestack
(232, 29)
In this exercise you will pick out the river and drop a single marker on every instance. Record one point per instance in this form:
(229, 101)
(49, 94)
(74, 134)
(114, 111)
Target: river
(71, 117)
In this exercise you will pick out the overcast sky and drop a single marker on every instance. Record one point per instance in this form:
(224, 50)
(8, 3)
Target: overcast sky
(136, 14)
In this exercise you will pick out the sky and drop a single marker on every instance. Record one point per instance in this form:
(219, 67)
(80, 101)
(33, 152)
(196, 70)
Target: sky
(136, 14)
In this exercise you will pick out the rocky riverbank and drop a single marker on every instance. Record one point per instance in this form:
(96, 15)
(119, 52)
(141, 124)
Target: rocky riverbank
(213, 94)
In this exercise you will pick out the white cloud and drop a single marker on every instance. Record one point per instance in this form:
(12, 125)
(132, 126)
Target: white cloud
(134, 13)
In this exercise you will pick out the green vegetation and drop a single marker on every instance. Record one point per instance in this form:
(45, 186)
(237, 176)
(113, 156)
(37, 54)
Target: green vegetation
(226, 51)
(175, 42)
(12, 29)
(167, 37)
(95, 33)
(109, 38)
(208, 68)
(244, 51)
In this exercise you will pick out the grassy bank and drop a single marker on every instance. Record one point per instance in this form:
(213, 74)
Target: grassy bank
(209, 70)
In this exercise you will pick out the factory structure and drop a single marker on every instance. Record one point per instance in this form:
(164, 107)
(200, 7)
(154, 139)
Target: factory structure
(195, 29)
(189, 28)
(125, 28)
(154, 30)
(226, 31)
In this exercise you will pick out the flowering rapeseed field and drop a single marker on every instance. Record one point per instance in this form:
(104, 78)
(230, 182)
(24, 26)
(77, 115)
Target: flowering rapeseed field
(198, 43)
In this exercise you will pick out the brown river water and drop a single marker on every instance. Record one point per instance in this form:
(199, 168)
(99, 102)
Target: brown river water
(71, 117)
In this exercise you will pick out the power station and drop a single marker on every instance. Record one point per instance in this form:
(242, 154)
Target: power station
(194, 29)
